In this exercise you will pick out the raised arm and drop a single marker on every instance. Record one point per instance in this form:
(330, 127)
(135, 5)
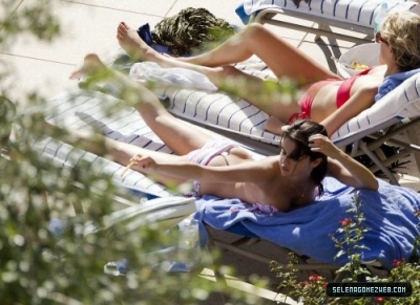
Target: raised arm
(343, 167)
(250, 171)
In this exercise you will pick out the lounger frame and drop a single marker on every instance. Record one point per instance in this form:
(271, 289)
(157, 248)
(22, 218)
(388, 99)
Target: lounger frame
(267, 16)
(305, 265)
(387, 133)
(355, 17)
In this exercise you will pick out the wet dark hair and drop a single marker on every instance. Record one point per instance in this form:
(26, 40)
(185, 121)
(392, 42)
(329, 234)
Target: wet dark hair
(299, 132)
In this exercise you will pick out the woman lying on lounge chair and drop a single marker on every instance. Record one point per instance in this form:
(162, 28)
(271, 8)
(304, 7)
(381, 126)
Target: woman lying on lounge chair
(326, 98)
(220, 167)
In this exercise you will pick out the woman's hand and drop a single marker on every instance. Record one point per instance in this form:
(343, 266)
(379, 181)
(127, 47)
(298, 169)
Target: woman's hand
(323, 144)
(143, 162)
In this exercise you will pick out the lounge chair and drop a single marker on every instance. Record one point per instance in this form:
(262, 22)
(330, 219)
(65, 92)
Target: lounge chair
(385, 122)
(356, 16)
(391, 116)
(294, 230)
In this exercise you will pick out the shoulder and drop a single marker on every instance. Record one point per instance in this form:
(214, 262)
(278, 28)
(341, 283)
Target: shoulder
(377, 70)
(272, 160)
(265, 162)
(271, 163)
(375, 76)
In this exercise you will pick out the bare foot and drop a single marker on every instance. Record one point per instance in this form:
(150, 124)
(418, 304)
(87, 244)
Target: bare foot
(101, 78)
(131, 42)
(91, 65)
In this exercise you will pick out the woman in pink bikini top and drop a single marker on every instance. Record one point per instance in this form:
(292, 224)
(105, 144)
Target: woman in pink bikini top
(326, 98)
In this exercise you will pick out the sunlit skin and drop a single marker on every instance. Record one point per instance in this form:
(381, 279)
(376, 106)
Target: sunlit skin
(284, 60)
(279, 181)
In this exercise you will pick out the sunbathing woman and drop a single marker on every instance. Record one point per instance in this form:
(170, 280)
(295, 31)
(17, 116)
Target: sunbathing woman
(220, 167)
(326, 98)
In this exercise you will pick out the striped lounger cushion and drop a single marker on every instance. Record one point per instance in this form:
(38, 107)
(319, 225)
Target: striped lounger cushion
(222, 111)
(77, 110)
(356, 12)
(238, 116)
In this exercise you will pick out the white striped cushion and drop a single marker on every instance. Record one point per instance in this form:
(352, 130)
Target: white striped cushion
(223, 111)
(403, 101)
(237, 115)
(357, 12)
(80, 109)
(86, 110)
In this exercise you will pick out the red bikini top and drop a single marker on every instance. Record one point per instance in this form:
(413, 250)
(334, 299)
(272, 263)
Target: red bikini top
(343, 93)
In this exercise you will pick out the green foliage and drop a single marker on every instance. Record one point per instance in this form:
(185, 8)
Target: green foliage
(33, 18)
(349, 240)
(45, 261)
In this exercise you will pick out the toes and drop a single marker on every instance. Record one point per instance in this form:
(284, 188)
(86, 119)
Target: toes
(121, 32)
(125, 25)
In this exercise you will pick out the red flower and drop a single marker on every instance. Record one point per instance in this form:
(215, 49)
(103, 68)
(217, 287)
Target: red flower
(397, 263)
(314, 278)
(379, 299)
(345, 222)
(324, 285)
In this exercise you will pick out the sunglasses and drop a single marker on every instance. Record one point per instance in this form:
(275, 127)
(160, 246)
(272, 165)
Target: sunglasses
(379, 38)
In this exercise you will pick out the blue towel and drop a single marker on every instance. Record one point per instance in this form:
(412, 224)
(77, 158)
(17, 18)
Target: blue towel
(393, 81)
(389, 215)
(144, 32)
(240, 11)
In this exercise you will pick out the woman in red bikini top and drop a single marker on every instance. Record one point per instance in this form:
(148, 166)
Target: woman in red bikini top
(328, 99)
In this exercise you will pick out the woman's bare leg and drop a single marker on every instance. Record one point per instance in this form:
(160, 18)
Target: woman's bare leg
(264, 95)
(119, 152)
(176, 134)
(282, 58)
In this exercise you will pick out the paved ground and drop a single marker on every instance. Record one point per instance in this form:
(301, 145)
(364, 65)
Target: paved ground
(90, 26)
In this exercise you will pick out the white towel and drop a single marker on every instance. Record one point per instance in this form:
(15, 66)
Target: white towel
(180, 77)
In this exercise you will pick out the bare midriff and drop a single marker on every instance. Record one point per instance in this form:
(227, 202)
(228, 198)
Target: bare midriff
(324, 102)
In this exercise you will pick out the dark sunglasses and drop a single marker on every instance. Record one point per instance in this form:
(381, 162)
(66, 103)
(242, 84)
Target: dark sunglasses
(379, 38)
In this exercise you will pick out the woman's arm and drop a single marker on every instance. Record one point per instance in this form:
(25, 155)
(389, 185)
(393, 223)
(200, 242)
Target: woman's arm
(250, 171)
(359, 101)
(343, 167)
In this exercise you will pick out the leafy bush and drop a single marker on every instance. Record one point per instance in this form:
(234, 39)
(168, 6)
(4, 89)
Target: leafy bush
(45, 259)
(349, 240)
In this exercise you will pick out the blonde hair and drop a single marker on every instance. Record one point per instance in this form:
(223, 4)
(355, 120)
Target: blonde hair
(402, 32)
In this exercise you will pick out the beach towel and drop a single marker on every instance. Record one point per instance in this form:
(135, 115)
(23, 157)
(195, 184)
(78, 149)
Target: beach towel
(390, 218)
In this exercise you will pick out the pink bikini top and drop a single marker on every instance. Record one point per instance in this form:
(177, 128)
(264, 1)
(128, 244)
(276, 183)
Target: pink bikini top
(343, 93)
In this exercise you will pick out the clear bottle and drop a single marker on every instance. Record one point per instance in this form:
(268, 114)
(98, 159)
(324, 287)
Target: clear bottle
(189, 243)
(379, 18)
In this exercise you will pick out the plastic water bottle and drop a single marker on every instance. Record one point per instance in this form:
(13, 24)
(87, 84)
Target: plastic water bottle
(189, 243)
(379, 18)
